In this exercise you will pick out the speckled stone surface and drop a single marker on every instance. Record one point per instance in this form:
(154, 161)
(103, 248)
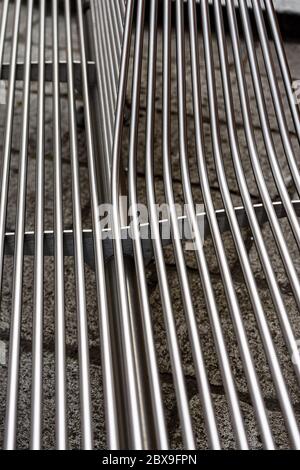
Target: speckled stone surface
(214, 376)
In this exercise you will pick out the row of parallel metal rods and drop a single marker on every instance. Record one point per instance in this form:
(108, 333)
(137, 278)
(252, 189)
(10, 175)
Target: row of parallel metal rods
(109, 31)
(37, 332)
(270, 350)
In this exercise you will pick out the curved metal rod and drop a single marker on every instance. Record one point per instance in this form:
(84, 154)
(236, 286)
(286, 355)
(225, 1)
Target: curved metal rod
(234, 308)
(262, 110)
(260, 244)
(130, 374)
(293, 219)
(156, 396)
(225, 368)
(179, 381)
(260, 316)
(200, 372)
(283, 64)
(254, 157)
(105, 333)
(274, 87)
(250, 209)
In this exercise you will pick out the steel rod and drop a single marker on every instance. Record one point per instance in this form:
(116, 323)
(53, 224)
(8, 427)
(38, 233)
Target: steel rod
(14, 349)
(234, 308)
(249, 208)
(283, 192)
(130, 374)
(286, 74)
(83, 340)
(276, 95)
(156, 395)
(203, 385)
(38, 306)
(258, 238)
(178, 375)
(106, 130)
(254, 157)
(112, 41)
(226, 372)
(60, 340)
(265, 333)
(110, 87)
(4, 14)
(107, 363)
(8, 135)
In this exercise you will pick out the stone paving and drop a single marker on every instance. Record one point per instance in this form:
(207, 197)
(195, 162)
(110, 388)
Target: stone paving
(293, 53)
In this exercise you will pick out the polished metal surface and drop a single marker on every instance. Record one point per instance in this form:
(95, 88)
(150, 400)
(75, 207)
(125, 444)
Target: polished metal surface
(111, 56)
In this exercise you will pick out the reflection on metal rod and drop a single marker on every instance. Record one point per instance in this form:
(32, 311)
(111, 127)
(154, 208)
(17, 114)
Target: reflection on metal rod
(60, 346)
(179, 381)
(83, 341)
(38, 308)
(14, 349)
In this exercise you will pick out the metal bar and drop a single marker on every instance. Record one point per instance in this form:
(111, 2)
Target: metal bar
(105, 333)
(130, 374)
(108, 82)
(118, 20)
(3, 27)
(104, 192)
(38, 309)
(156, 396)
(293, 219)
(265, 123)
(275, 92)
(122, 7)
(83, 341)
(201, 260)
(14, 350)
(106, 131)
(246, 112)
(208, 409)
(8, 135)
(60, 346)
(234, 308)
(179, 382)
(250, 209)
(132, 384)
(265, 333)
(286, 74)
(109, 51)
(112, 41)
